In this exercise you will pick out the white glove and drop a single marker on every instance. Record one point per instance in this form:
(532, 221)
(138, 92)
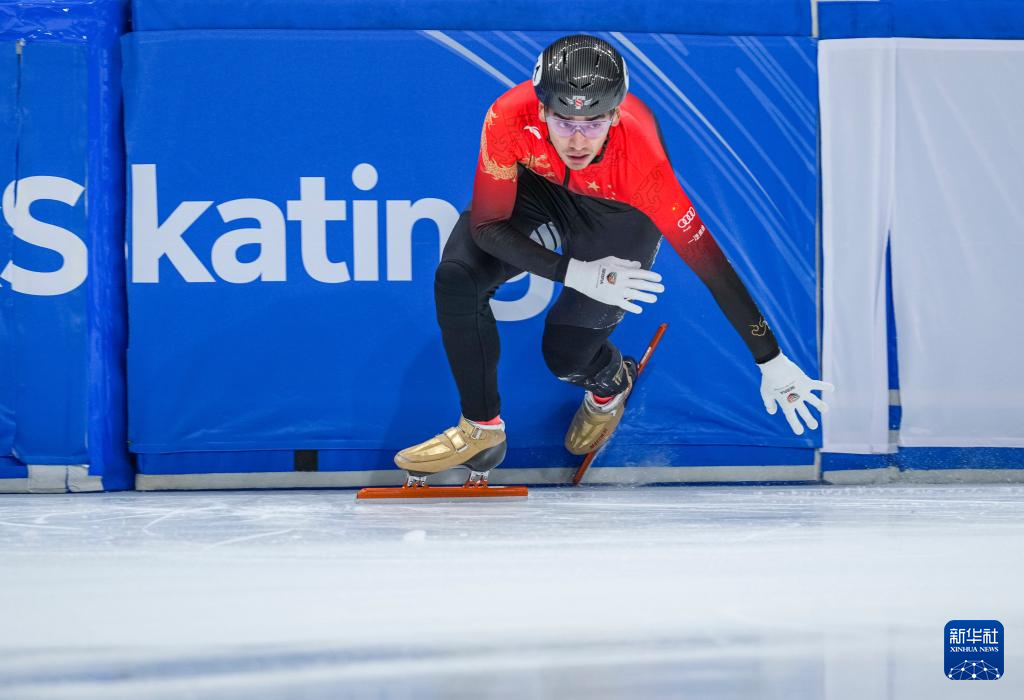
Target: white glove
(614, 281)
(784, 384)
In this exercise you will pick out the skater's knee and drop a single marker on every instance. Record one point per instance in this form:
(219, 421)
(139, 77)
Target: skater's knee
(567, 359)
(455, 277)
(458, 293)
(582, 356)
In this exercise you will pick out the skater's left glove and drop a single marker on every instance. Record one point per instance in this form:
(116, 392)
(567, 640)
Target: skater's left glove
(784, 384)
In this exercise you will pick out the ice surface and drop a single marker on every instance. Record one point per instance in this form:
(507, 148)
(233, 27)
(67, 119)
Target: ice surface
(704, 592)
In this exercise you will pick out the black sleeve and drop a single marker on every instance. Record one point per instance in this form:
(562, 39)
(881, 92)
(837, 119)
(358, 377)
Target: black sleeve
(706, 259)
(505, 242)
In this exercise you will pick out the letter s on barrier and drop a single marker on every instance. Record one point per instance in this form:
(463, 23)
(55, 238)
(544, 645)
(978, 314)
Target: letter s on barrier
(70, 247)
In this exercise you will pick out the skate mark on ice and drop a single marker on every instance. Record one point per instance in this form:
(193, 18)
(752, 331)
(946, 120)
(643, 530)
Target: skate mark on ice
(39, 527)
(235, 540)
(174, 513)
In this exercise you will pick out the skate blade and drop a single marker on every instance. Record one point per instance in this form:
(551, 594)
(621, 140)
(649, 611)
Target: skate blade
(441, 492)
(578, 476)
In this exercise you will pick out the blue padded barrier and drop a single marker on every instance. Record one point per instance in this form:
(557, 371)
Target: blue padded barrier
(358, 366)
(721, 17)
(618, 454)
(8, 168)
(62, 384)
(11, 468)
(62, 392)
(51, 355)
(933, 19)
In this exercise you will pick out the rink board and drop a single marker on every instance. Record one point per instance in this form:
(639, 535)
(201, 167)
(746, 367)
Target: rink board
(62, 300)
(718, 17)
(621, 476)
(933, 19)
(283, 360)
(57, 414)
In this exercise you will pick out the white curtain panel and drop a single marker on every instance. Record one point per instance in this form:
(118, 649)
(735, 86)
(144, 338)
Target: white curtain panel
(958, 241)
(924, 139)
(856, 90)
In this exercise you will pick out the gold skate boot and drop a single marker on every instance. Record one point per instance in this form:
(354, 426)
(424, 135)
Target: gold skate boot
(466, 445)
(594, 423)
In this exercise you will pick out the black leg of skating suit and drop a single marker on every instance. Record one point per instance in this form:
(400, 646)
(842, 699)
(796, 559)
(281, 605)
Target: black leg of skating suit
(584, 357)
(465, 280)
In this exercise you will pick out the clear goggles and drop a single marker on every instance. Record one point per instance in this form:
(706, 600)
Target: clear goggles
(567, 127)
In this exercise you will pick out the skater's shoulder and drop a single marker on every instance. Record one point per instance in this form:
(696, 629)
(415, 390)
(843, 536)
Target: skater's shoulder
(516, 102)
(640, 128)
(637, 114)
(512, 124)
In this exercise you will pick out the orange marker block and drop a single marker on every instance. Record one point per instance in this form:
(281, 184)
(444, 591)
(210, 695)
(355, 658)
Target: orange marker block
(442, 492)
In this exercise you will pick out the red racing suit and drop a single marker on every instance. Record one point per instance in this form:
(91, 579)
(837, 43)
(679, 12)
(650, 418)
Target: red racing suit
(632, 169)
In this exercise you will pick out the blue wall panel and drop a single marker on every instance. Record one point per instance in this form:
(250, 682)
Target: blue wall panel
(8, 160)
(746, 17)
(52, 349)
(11, 468)
(740, 119)
(358, 365)
(933, 19)
(615, 454)
(63, 301)
(107, 306)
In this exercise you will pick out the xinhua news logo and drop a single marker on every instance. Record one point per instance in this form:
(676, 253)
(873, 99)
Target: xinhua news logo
(974, 650)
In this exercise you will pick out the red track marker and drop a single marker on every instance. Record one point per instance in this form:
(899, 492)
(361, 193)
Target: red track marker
(578, 476)
(441, 492)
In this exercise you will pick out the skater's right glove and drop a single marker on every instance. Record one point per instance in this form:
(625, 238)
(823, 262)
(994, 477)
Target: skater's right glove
(614, 281)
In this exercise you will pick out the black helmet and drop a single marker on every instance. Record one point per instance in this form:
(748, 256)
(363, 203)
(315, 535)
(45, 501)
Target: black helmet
(580, 75)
